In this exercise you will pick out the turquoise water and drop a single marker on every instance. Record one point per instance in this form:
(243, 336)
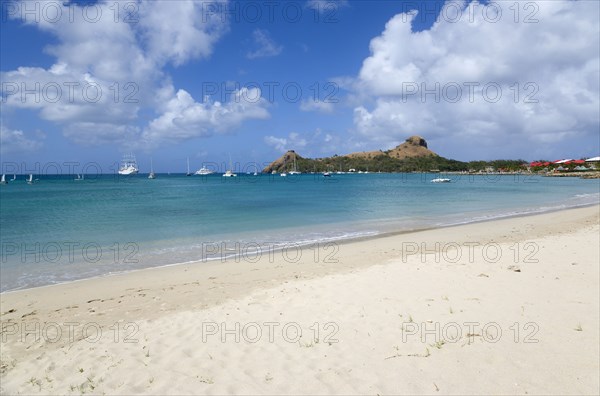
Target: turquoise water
(59, 229)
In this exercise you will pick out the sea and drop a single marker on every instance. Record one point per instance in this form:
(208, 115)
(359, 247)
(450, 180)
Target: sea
(59, 229)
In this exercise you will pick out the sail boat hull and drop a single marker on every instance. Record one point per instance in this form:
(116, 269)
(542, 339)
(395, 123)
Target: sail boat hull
(295, 171)
(229, 172)
(151, 175)
(188, 173)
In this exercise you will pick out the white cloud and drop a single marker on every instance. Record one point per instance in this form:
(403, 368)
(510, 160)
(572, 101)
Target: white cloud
(328, 7)
(279, 144)
(554, 62)
(107, 72)
(180, 30)
(64, 95)
(294, 141)
(265, 45)
(317, 143)
(12, 140)
(183, 118)
(316, 105)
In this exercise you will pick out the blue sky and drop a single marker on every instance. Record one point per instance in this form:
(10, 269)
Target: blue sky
(204, 79)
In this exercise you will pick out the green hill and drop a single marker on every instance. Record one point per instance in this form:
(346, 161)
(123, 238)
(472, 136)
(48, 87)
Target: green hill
(411, 156)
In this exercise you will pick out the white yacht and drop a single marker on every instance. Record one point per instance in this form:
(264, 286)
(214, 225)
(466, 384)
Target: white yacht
(204, 171)
(128, 165)
(441, 180)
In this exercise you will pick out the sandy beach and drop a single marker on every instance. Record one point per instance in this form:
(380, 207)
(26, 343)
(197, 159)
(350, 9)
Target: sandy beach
(509, 306)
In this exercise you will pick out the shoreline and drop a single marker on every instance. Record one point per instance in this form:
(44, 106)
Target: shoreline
(369, 302)
(212, 265)
(340, 241)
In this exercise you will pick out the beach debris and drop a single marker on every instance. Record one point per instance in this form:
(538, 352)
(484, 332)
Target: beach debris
(205, 380)
(28, 314)
(514, 268)
(482, 275)
(438, 344)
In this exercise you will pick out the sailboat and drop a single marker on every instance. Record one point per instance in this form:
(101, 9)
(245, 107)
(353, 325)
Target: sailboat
(128, 165)
(295, 171)
(283, 174)
(188, 173)
(14, 178)
(229, 172)
(79, 177)
(3, 180)
(151, 175)
(30, 180)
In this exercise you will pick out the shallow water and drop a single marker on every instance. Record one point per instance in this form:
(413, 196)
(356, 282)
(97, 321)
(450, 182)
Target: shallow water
(59, 229)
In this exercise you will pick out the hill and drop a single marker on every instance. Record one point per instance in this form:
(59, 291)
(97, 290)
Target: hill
(413, 155)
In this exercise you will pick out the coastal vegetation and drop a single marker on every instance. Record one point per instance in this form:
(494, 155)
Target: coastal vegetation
(411, 156)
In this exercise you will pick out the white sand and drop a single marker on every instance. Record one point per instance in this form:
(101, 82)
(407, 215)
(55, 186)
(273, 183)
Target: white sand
(364, 320)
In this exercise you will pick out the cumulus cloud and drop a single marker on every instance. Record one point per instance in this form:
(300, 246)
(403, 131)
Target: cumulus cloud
(183, 118)
(12, 140)
(315, 143)
(316, 105)
(180, 30)
(279, 144)
(107, 71)
(484, 76)
(294, 141)
(264, 44)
